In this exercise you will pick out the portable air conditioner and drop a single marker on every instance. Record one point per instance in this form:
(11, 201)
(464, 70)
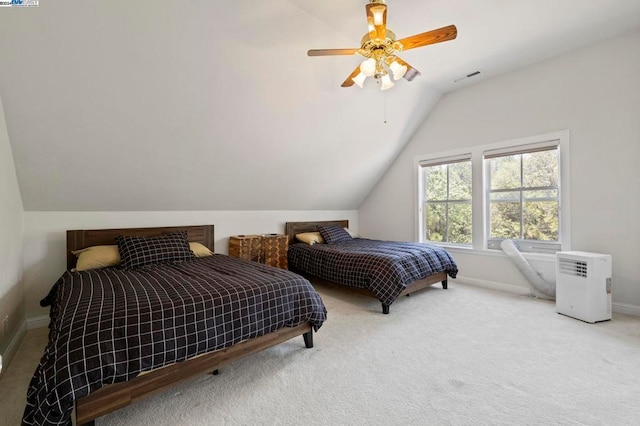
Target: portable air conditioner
(583, 285)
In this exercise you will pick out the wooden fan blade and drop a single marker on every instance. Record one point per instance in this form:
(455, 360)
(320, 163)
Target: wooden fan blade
(430, 37)
(329, 52)
(377, 20)
(411, 71)
(349, 81)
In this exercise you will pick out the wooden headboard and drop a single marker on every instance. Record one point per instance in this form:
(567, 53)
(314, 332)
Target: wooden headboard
(79, 239)
(293, 228)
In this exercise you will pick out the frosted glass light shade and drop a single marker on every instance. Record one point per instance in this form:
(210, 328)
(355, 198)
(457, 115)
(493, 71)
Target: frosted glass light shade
(398, 70)
(359, 79)
(368, 67)
(377, 16)
(385, 82)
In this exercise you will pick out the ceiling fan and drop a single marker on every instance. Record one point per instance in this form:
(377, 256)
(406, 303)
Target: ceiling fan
(380, 46)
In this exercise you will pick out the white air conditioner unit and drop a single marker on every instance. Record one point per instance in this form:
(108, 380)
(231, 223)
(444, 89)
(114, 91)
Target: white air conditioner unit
(583, 285)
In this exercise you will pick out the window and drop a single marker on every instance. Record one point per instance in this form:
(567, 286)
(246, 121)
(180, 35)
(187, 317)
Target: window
(523, 197)
(447, 201)
(478, 197)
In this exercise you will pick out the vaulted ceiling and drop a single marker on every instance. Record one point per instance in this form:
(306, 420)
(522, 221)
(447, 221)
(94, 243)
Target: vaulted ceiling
(212, 105)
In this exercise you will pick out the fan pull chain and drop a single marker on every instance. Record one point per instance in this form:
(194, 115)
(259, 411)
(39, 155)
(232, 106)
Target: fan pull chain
(385, 107)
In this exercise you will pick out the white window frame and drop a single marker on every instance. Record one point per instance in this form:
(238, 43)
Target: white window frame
(449, 159)
(480, 204)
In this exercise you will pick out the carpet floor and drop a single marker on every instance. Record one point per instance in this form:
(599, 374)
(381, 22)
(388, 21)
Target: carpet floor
(462, 356)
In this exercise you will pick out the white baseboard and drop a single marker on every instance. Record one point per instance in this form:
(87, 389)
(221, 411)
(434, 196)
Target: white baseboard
(626, 308)
(38, 322)
(494, 285)
(620, 308)
(11, 350)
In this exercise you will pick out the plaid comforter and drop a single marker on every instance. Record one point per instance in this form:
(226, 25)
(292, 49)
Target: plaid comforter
(383, 267)
(109, 325)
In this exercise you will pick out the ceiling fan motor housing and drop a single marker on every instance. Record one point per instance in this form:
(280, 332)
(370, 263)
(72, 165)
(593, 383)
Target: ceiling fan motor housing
(380, 50)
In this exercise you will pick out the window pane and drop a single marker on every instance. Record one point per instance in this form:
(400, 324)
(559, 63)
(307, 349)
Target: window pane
(436, 222)
(460, 181)
(436, 182)
(547, 193)
(505, 172)
(541, 221)
(445, 221)
(505, 220)
(540, 207)
(540, 169)
(507, 195)
(460, 223)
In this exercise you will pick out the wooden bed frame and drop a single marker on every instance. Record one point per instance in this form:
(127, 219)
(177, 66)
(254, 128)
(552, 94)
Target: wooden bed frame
(112, 397)
(293, 228)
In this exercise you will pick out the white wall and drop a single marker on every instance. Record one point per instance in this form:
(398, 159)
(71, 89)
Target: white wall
(595, 93)
(11, 227)
(155, 98)
(45, 234)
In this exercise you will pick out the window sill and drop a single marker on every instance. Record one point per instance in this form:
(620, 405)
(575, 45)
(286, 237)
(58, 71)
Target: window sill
(542, 257)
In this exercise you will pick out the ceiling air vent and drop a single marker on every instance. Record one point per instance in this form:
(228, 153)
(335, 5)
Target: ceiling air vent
(473, 74)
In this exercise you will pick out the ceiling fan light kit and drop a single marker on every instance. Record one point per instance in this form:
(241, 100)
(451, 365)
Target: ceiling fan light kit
(379, 46)
(359, 79)
(368, 67)
(385, 82)
(398, 70)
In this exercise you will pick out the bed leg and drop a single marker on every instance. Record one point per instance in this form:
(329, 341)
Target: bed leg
(89, 423)
(308, 339)
(215, 372)
(444, 283)
(385, 309)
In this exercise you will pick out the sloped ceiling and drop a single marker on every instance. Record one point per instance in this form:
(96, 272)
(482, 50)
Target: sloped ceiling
(214, 105)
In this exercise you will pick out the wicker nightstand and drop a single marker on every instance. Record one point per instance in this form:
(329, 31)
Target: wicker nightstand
(274, 250)
(270, 249)
(246, 247)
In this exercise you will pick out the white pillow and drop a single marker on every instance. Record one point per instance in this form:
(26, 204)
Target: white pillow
(353, 234)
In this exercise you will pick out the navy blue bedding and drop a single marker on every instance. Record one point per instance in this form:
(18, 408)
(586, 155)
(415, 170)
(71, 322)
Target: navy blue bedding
(108, 325)
(383, 267)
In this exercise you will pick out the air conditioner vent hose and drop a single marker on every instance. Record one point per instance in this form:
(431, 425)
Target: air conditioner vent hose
(534, 278)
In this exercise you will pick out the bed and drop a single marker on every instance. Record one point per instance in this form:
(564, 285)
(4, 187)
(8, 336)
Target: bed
(120, 334)
(381, 269)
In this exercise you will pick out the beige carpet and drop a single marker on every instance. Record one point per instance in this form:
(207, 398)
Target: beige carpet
(463, 356)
